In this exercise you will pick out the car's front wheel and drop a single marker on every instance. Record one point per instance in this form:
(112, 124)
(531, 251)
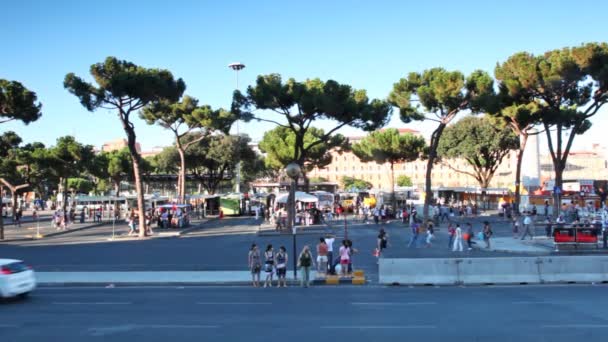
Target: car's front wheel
(24, 295)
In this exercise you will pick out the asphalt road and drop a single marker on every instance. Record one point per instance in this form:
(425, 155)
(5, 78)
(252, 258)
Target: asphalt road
(558, 313)
(218, 245)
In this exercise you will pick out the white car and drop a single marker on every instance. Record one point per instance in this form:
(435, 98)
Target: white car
(16, 278)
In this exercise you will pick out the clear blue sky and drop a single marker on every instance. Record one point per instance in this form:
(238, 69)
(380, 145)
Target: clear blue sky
(368, 44)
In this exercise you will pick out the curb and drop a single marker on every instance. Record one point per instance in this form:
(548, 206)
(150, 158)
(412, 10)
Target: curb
(63, 232)
(292, 283)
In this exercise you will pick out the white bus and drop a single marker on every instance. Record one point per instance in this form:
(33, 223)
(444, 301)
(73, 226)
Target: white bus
(326, 199)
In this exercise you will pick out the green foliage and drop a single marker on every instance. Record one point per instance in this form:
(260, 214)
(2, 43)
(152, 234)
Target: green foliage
(389, 146)
(404, 180)
(318, 180)
(18, 103)
(350, 182)
(279, 144)
(80, 185)
(481, 143)
(566, 87)
(299, 104)
(122, 84)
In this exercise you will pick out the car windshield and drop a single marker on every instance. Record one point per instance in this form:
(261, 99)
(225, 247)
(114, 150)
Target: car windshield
(16, 267)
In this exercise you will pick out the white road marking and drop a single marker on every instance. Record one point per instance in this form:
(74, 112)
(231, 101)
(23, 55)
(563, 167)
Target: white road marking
(102, 331)
(234, 303)
(9, 326)
(92, 303)
(575, 326)
(394, 303)
(361, 327)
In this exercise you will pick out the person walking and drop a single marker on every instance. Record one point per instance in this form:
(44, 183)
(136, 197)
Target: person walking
(515, 227)
(255, 265)
(415, 231)
(430, 233)
(269, 265)
(322, 250)
(452, 233)
(344, 257)
(527, 229)
(376, 215)
(457, 239)
(382, 242)
(469, 236)
(548, 227)
(487, 233)
(305, 262)
(282, 260)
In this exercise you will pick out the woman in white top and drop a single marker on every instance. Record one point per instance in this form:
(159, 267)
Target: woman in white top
(344, 257)
(457, 239)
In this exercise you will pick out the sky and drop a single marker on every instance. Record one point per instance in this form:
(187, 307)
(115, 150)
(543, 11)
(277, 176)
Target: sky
(367, 44)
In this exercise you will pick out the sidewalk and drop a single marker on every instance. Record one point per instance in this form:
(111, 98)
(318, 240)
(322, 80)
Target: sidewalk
(156, 278)
(33, 230)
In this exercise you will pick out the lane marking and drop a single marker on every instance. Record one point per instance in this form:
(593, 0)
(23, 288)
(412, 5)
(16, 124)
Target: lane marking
(91, 303)
(9, 326)
(394, 304)
(575, 326)
(234, 303)
(360, 327)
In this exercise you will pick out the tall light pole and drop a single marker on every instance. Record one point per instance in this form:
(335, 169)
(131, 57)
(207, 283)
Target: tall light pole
(293, 171)
(237, 67)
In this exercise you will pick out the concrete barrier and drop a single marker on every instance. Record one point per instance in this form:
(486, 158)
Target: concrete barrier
(574, 269)
(508, 270)
(434, 271)
(514, 270)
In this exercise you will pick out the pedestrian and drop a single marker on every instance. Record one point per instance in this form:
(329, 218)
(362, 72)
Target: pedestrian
(305, 262)
(282, 259)
(487, 233)
(269, 265)
(255, 264)
(527, 228)
(82, 216)
(548, 227)
(430, 233)
(452, 233)
(469, 236)
(457, 239)
(515, 227)
(415, 231)
(382, 242)
(344, 257)
(329, 241)
(18, 215)
(132, 223)
(322, 250)
(376, 215)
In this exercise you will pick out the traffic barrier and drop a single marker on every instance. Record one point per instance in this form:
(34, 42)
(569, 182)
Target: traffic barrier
(513, 270)
(508, 270)
(434, 271)
(332, 280)
(358, 281)
(574, 269)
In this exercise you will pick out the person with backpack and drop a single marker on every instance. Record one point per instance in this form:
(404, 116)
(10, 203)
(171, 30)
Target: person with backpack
(382, 242)
(269, 265)
(282, 259)
(255, 264)
(305, 262)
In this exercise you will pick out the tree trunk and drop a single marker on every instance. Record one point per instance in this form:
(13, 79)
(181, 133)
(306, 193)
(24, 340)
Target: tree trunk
(523, 140)
(64, 194)
(182, 173)
(306, 182)
(14, 196)
(559, 180)
(393, 199)
(428, 199)
(136, 159)
(1, 214)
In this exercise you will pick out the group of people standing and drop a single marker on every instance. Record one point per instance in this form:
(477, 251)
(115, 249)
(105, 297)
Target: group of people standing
(457, 236)
(271, 262)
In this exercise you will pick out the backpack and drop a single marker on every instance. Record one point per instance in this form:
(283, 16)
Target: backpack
(305, 260)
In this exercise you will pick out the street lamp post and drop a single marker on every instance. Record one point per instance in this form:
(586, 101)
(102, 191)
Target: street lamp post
(237, 67)
(293, 171)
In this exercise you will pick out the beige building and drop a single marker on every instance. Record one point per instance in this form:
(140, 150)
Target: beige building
(581, 165)
(118, 144)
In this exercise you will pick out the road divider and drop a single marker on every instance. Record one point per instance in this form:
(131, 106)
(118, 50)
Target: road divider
(479, 271)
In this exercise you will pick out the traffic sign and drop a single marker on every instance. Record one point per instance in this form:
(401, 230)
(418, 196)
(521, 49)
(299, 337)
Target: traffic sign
(557, 190)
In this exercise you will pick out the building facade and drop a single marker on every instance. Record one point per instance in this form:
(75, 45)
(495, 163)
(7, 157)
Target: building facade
(535, 168)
